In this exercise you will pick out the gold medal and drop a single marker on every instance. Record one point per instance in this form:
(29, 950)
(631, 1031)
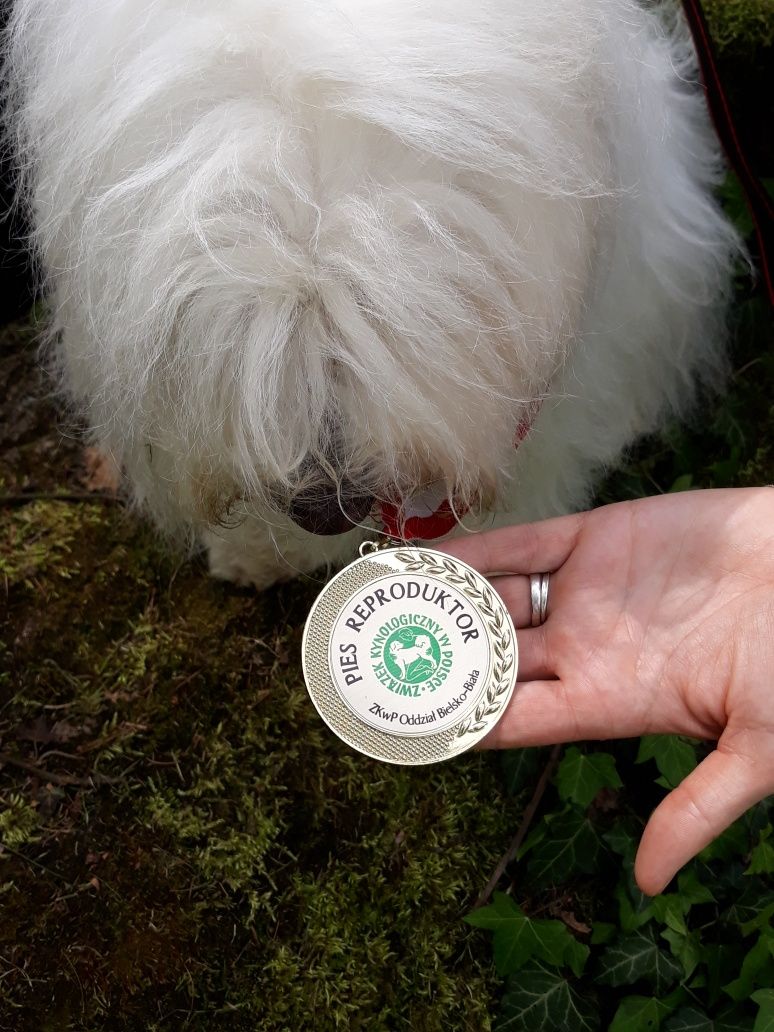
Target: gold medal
(409, 656)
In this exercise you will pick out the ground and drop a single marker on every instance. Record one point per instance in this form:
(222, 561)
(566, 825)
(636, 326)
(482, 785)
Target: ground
(183, 844)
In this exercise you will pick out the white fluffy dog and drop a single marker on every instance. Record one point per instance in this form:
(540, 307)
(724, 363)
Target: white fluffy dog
(305, 254)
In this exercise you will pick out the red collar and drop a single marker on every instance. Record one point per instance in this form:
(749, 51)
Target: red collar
(427, 518)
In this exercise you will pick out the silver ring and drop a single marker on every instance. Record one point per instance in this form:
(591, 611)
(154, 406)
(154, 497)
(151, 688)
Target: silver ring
(538, 595)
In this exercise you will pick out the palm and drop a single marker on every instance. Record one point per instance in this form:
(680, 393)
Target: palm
(660, 620)
(644, 605)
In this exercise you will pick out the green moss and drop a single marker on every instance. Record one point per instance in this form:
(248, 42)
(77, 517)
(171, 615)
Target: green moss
(40, 537)
(223, 859)
(19, 823)
(741, 25)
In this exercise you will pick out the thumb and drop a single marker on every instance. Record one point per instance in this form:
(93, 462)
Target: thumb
(713, 795)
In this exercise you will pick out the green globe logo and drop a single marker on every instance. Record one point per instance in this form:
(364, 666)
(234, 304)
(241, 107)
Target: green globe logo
(411, 654)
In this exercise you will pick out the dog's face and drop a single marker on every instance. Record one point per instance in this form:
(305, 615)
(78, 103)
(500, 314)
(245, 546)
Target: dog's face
(401, 345)
(439, 315)
(438, 312)
(340, 266)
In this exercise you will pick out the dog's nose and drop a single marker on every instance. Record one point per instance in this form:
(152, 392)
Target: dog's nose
(327, 510)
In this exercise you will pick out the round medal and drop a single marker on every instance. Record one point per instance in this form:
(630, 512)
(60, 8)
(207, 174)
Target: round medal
(409, 656)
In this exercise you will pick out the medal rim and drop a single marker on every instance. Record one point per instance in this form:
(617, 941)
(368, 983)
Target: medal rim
(489, 721)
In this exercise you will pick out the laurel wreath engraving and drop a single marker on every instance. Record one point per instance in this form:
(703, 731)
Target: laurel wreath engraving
(494, 618)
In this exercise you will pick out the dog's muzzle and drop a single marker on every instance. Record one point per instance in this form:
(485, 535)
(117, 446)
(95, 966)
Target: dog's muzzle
(330, 508)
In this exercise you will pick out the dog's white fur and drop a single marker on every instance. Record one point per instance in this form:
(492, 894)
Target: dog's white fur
(264, 223)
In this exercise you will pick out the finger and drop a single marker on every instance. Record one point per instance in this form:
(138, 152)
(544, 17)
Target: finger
(713, 795)
(530, 548)
(545, 712)
(535, 662)
(558, 708)
(515, 593)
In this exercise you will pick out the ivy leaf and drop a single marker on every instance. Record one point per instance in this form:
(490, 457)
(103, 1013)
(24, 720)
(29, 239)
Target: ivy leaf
(520, 767)
(539, 1000)
(571, 844)
(669, 909)
(762, 856)
(638, 956)
(728, 878)
(764, 1022)
(638, 1014)
(686, 947)
(751, 907)
(674, 755)
(675, 999)
(634, 908)
(762, 919)
(536, 835)
(691, 1019)
(692, 890)
(622, 839)
(733, 1020)
(518, 938)
(602, 932)
(682, 483)
(581, 776)
(576, 955)
(720, 959)
(757, 968)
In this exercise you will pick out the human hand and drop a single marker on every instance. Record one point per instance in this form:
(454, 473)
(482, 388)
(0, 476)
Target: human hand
(660, 620)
